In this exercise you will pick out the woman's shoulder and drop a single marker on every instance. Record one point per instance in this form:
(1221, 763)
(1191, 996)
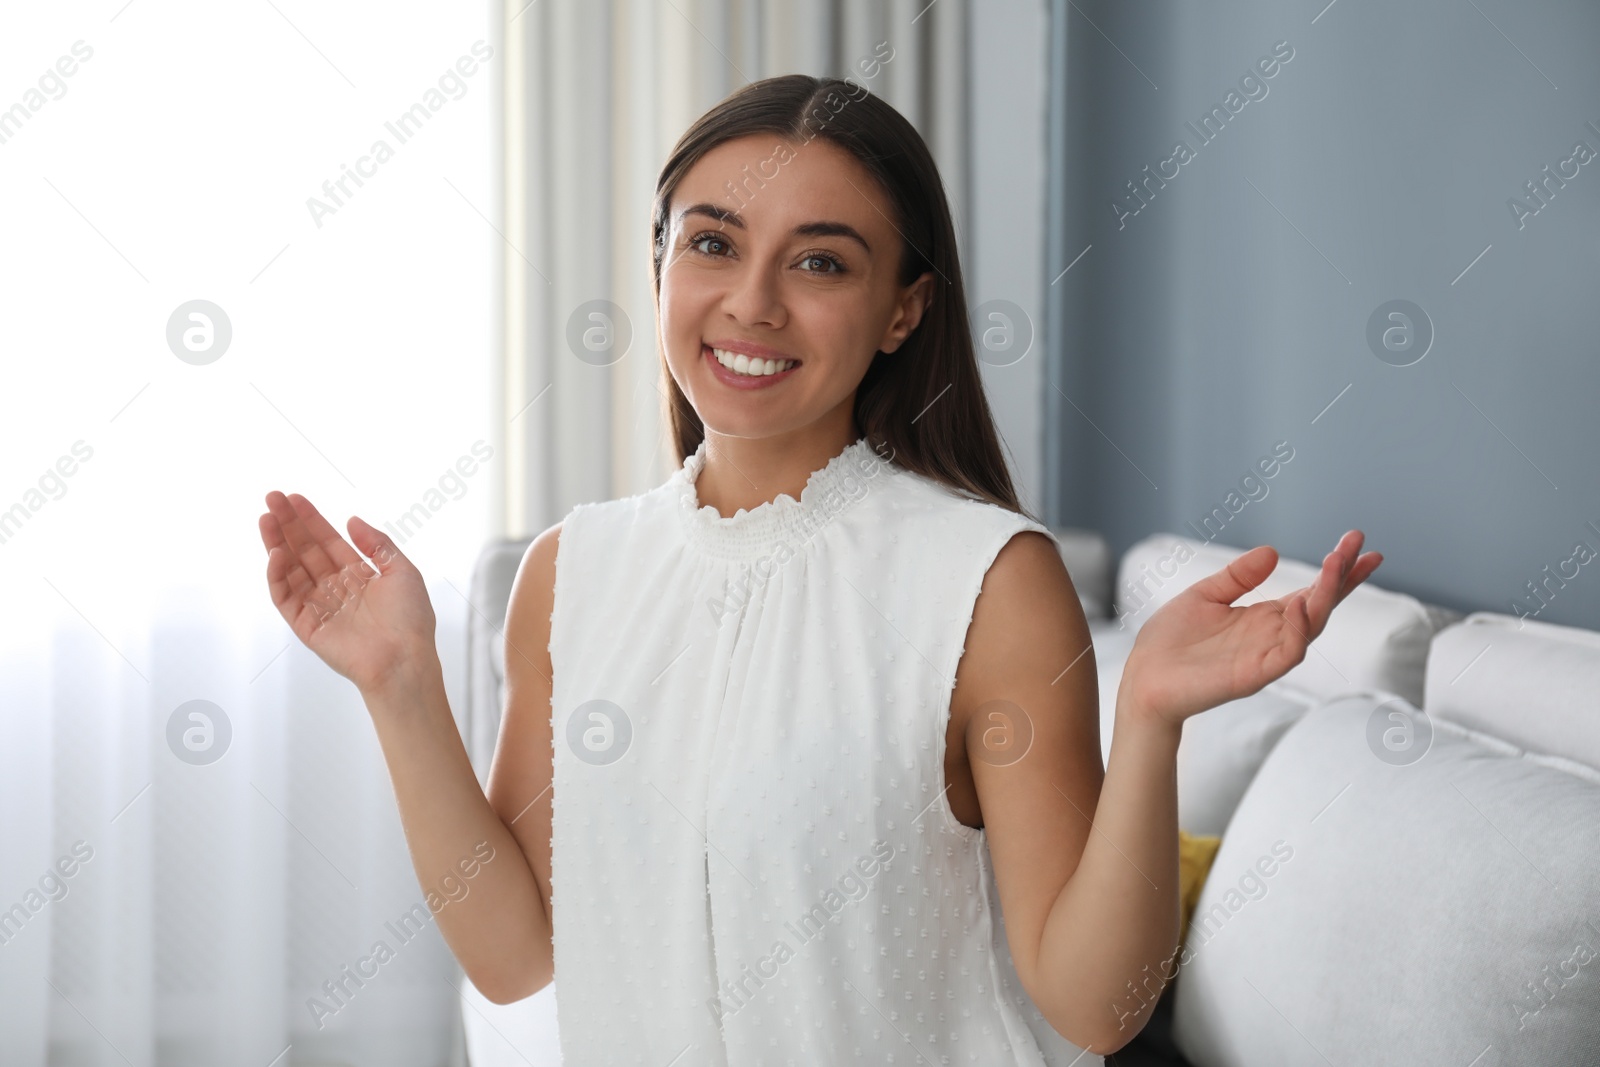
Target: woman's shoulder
(658, 500)
(922, 499)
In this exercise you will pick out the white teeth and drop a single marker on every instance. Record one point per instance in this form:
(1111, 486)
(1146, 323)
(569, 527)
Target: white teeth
(740, 363)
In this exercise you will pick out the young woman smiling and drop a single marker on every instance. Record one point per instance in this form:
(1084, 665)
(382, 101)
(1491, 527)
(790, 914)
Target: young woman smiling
(900, 700)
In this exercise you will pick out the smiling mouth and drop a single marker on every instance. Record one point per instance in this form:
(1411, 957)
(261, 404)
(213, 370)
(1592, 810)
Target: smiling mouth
(739, 363)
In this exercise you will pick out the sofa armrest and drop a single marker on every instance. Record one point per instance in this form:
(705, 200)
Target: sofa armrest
(490, 595)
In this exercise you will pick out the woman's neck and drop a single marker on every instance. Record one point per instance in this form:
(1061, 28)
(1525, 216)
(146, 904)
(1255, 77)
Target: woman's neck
(746, 472)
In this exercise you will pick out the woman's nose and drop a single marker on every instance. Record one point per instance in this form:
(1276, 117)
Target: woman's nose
(754, 297)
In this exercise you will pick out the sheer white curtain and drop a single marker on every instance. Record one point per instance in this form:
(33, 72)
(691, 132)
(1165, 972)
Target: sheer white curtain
(596, 95)
(198, 839)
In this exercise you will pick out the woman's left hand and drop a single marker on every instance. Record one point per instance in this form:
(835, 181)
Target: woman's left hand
(1198, 651)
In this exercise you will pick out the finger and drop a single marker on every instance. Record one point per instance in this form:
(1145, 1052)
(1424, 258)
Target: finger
(277, 576)
(1349, 549)
(1360, 571)
(289, 570)
(292, 536)
(272, 537)
(1333, 581)
(1357, 572)
(285, 576)
(376, 544)
(1238, 577)
(327, 538)
(271, 533)
(1324, 592)
(287, 580)
(1299, 612)
(293, 587)
(290, 585)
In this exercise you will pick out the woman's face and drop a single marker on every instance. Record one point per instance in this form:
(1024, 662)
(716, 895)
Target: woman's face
(784, 251)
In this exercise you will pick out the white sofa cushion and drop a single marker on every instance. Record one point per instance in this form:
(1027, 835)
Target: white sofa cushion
(1112, 643)
(1088, 561)
(1361, 911)
(1532, 683)
(1222, 749)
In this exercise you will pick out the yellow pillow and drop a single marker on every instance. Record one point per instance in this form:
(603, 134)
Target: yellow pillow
(1195, 853)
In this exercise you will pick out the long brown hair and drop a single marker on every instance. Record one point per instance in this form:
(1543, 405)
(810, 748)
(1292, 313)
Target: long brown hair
(925, 402)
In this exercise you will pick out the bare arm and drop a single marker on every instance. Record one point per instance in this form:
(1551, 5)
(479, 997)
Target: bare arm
(1086, 862)
(521, 776)
(1078, 910)
(377, 629)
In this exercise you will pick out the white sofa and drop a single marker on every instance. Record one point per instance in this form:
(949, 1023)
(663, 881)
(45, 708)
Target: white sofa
(1410, 821)
(1442, 902)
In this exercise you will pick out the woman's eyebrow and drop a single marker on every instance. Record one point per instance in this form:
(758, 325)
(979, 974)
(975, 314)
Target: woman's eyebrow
(823, 228)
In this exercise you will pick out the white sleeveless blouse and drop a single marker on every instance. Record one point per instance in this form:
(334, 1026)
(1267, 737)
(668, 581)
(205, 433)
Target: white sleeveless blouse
(754, 862)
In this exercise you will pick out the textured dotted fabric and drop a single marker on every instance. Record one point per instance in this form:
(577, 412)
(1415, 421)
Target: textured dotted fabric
(754, 861)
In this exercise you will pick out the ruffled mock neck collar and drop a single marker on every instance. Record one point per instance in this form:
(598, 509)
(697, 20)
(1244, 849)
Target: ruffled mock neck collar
(750, 534)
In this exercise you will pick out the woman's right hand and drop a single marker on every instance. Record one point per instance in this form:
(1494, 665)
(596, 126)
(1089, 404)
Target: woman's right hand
(368, 626)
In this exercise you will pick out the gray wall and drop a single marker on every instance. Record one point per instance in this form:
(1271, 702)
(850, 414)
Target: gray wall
(1232, 309)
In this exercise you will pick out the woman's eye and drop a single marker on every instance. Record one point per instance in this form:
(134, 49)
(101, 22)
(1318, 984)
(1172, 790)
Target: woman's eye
(701, 239)
(832, 266)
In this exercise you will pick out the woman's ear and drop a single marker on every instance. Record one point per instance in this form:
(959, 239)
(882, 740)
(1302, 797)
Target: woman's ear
(914, 302)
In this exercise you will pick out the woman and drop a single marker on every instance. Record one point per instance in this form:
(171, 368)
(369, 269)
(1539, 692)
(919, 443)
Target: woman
(820, 709)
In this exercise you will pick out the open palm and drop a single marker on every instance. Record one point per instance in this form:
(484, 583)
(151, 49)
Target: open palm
(367, 625)
(1198, 650)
